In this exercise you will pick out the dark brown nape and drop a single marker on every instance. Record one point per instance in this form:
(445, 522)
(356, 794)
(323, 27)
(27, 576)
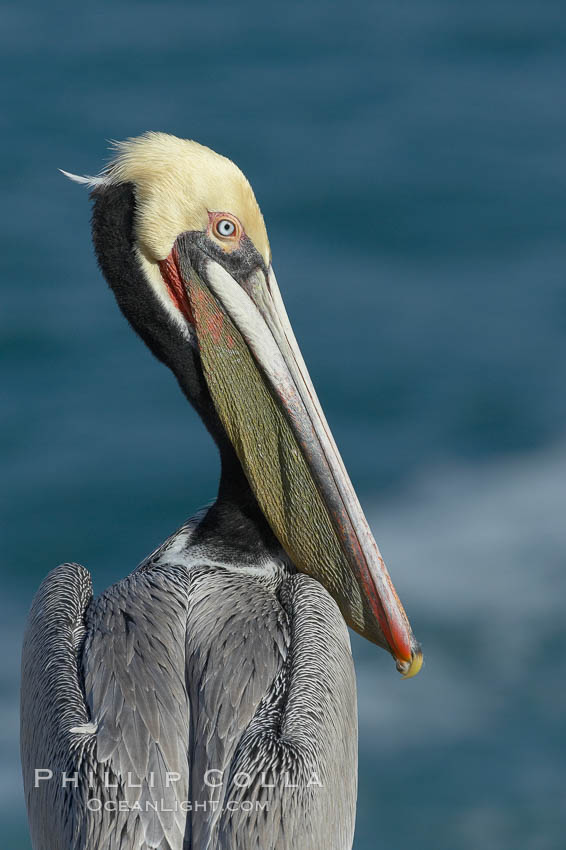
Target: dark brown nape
(113, 236)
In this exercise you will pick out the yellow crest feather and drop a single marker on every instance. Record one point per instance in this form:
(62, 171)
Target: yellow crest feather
(177, 183)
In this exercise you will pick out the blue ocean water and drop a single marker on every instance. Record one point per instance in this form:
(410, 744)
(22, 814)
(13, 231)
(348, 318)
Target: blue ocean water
(410, 163)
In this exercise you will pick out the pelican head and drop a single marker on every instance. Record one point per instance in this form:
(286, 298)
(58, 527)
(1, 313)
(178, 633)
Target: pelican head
(182, 242)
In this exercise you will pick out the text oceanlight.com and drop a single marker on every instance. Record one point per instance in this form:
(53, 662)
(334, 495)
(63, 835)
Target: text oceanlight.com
(95, 804)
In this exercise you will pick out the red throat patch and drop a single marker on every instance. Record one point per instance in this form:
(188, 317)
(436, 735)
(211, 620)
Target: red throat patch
(209, 319)
(170, 274)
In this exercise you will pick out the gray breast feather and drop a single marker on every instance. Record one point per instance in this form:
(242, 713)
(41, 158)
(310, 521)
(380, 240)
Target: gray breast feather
(52, 704)
(176, 672)
(237, 642)
(134, 665)
(302, 739)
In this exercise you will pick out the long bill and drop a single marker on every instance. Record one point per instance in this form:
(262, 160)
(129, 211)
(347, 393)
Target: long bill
(268, 406)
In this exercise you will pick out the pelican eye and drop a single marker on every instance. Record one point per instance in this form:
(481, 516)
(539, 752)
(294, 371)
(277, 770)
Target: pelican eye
(225, 227)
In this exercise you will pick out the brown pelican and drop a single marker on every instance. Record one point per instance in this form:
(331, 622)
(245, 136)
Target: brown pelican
(207, 700)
